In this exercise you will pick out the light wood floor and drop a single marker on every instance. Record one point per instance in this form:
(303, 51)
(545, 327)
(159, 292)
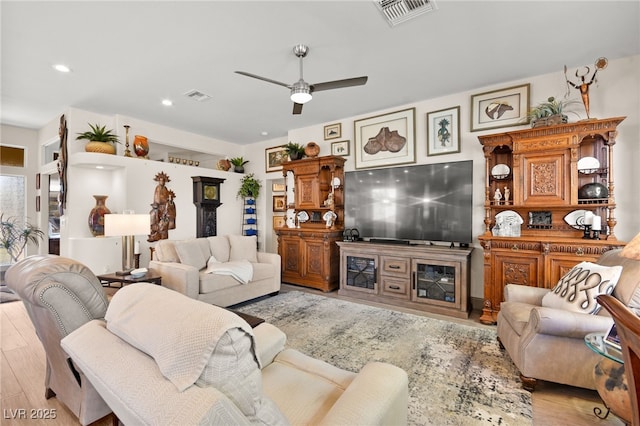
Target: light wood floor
(22, 371)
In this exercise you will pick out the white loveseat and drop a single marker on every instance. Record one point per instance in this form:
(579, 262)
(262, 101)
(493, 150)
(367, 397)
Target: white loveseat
(161, 358)
(183, 265)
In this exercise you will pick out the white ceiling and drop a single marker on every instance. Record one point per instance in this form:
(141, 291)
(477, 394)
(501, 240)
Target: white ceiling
(128, 56)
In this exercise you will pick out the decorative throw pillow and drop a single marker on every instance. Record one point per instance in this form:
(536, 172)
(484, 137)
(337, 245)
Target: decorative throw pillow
(243, 248)
(577, 289)
(190, 253)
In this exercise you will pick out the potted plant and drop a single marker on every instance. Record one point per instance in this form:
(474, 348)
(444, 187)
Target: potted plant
(549, 113)
(15, 235)
(294, 150)
(249, 187)
(100, 139)
(238, 164)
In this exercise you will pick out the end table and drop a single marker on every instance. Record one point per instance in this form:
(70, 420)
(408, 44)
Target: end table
(150, 277)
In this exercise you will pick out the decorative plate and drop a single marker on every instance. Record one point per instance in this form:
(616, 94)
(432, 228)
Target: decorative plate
(588, 165)
(509, 217)
(303, 216)
(500, 171)
(575, 219)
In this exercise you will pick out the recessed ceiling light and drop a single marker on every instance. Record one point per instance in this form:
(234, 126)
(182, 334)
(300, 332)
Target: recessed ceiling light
(99, 167)
(263, 133)
(167, 102)
(62, 68)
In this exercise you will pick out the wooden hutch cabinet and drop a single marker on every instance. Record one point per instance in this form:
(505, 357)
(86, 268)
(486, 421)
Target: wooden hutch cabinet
(309, 253)
(555, 176)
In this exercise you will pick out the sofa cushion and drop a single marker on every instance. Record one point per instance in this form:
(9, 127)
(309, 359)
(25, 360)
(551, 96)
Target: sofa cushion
(191, 253)
(165, 251)
(193, 342)
(220, 248)
(577, 289)
(243, 248)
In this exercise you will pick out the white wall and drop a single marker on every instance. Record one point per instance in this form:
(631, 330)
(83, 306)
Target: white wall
(616, 94)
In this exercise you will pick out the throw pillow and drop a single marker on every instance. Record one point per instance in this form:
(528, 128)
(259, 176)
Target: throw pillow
(577, 289)
(190, 253)
(243, 248)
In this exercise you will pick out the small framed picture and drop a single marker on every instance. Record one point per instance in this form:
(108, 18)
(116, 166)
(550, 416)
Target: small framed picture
(279, 221)
(277, 187)
(340, 148)
(332, 131)
(38, 181)
(612, 338)
(279, 203)
(500, 108)
(274, 157)
(443, 131)
(37, 203)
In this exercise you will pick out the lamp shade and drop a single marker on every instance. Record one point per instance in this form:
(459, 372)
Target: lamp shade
(632, 249)
(300, 92)
(116, 225)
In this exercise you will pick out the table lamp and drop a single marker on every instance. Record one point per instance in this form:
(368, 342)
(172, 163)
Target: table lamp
(127, 226)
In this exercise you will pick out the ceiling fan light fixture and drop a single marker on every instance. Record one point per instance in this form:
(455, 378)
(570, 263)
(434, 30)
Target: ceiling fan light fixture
(300, 94)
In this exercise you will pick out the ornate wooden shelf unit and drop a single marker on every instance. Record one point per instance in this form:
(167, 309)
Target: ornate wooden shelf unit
(310, 256)
(544, 181)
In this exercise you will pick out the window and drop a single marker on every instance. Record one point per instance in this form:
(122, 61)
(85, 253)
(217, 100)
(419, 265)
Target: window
(12, 202)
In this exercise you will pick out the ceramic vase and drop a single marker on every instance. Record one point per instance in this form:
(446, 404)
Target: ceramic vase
(96, 216)
(140, 146)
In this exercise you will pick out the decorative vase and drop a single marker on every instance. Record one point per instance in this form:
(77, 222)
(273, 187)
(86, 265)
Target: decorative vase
(140, 146)
(293, 156)
(238, 169)
(312, 149)
(100, 147)
(223, 164)
(96, 216)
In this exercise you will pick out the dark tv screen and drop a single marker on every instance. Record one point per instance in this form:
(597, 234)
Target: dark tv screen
(429, 202)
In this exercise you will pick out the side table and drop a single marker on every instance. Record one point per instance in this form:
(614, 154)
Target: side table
(611, 382)
(149, 277)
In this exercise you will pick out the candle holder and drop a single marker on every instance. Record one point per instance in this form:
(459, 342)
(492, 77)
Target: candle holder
(127, 151)
(596, 234)
(587, 232)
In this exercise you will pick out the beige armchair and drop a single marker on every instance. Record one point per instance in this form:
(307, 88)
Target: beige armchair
(60, 295)
(547, 343)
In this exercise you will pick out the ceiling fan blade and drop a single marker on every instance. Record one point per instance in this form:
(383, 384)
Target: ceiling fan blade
(268, 80)
(337, 84)
(297, 108)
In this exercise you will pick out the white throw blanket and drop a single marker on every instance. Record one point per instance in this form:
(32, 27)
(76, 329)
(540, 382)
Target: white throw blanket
(241, 270)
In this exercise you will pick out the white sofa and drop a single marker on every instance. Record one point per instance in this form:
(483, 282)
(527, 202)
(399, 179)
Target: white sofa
(183, 265)
(162, 358)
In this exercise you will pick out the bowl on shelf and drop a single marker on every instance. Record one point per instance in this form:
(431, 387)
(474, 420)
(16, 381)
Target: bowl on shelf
(593, 190)
(500, 171)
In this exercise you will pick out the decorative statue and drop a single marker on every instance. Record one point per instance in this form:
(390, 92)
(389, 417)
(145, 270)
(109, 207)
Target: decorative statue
(497, 196)
(163, 209)
(507, 194)
(583, 86)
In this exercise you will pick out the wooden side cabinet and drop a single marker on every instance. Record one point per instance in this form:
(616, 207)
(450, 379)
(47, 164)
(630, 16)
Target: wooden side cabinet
(541, 168)
(428, 278)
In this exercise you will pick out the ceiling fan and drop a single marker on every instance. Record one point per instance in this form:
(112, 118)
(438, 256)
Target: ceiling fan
(301, 90)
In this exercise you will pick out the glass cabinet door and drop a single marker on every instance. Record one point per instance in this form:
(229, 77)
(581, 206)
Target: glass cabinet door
(361, 273)
(437, 283)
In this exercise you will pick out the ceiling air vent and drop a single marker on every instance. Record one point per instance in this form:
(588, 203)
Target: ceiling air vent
(197, 95)
(397, 11)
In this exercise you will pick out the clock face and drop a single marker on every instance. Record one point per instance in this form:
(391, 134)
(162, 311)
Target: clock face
(210, 192)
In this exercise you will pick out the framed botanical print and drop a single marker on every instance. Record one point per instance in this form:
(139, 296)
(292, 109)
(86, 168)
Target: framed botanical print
(443, 131)
(500, 108)
(385, 140)
(332, 131)
(340, 148)
(274, 157)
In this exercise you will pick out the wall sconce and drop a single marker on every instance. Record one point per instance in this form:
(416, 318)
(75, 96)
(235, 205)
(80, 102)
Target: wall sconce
(127, 226)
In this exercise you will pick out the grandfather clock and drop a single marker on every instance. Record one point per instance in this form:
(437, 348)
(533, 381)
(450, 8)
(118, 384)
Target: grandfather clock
(206, 197)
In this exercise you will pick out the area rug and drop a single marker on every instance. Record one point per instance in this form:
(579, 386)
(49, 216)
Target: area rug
(457, 373)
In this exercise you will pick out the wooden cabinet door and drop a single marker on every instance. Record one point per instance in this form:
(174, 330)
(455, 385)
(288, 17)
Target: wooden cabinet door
(314, 264)
(307, 191)
(545, 179)
(560, 264)
(290, 253)
(519, 267)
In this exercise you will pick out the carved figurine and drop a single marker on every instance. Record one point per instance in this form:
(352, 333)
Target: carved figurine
(583, 86)
(163, 209)
(507, 194)
(497, 196)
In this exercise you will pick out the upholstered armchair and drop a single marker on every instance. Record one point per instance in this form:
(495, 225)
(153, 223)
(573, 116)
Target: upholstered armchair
(547, 343)
(60, 295)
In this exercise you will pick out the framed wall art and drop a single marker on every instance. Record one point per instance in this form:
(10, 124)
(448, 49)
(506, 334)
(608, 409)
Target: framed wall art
(279, 203)
(274, 157)
(340, 148)
(37, 180)
(278, 187)
(443, 131)
(332, 131)
(385, 140)
(500, 108)
(279, 221)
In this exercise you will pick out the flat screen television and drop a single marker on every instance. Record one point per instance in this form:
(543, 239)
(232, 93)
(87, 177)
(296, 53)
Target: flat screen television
(423, 203)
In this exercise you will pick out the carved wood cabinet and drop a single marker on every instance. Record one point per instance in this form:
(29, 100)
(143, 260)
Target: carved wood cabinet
(543, 182)
(309, 253)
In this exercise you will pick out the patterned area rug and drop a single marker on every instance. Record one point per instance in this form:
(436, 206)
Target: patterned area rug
(457, 373)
